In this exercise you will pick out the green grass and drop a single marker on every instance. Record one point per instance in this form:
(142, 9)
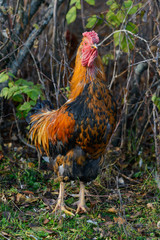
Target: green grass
(131, 212)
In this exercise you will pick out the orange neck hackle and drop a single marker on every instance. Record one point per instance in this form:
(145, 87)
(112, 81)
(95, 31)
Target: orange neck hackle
(84, 74)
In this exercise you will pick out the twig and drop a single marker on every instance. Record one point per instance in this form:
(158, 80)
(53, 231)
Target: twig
(5, 237)
(54, 2)
(156, 140)
(128, 178)
(16, 11)
(17, 207)
(127, 32)
(4, 44)
(28, 14)
(144, 129)
(29, 43)
(82, 15)
(19, 132)
(39, 76)
(121, 208)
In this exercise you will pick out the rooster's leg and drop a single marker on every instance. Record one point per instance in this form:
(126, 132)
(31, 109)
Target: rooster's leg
(81, 203)
(60, 202)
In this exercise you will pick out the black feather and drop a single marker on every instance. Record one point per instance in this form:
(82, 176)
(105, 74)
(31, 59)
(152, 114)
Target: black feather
(41, 104)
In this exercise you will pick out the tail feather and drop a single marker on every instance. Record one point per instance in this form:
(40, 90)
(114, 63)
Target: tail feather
(41, 104)
(39, 129)
(39, 118)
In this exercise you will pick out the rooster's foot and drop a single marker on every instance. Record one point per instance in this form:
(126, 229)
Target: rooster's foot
(63, 208)
(82, 209)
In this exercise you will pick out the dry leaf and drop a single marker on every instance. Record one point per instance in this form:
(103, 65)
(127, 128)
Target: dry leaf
(28, 192)
(1, 156)
(5, 234)
(31, 165)
(20, 197)
(3, 198)
(112, 210)
(150, 205)
(108, 223)
(113, 196)
(119, 220)
(46, 221)
(158, 225)
(137, 214)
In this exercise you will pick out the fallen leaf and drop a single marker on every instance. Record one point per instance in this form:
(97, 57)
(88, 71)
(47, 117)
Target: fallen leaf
(5, 234)
(3, 198)
(38, 229)
(1, 156)
(119, 220)
(150, 205)
(31, 165)
(31, 199)
(109, 223)
(137, 214)
(113, 196)
(27, 192)
(158, 225)
(112, 210)
(45, 221)
(121, 180)
(20, 197)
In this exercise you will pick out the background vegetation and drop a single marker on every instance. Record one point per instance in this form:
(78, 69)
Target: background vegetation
(38, 42)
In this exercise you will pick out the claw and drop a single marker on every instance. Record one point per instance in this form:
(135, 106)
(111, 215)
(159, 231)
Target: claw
(60, 202)
(63, 208)
(82, 209)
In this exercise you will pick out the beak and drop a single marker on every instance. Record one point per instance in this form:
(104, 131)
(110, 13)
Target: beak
(94, 46)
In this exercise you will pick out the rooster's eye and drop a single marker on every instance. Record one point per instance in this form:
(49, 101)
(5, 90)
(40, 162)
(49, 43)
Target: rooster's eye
(85, 43)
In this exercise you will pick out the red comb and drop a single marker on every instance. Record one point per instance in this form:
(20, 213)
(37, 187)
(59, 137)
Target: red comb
(92, 35)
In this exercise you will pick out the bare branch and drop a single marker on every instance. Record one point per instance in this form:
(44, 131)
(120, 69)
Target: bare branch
(29, 43)
(127, 32)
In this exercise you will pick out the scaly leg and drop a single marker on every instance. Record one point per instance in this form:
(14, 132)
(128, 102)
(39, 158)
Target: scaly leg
(60, 202)
(81, 203)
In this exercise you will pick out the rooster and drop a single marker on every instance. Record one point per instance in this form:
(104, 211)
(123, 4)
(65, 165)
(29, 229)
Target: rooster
(75, 136)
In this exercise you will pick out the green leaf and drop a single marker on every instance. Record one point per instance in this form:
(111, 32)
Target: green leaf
(133, 10)
(17, 98)
(25, 106)
(72, 2)
(120, 16)
(156, 101)
(127, 4)
(12, 90)
(3, 77)
(112, 18)
(107, 57)
(118, 38)
(21, 81)
(4, 92)
(153, 98)
(35, 25)
(11, 75)
(127, 44)
(91, 21)
(123, 41)
(33, 94)
(71, 15)
(78, 4)
(110, 2)
(91, 2)
(10, 84)
(100, 20)
(114, 6)
(132, 27)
